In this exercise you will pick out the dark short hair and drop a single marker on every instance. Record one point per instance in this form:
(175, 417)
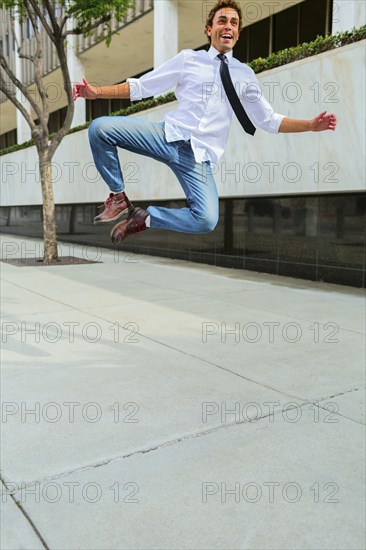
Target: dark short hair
(219, 6)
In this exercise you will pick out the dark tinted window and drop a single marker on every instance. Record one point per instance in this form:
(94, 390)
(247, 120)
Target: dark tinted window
(56, 120)
(8, 139)
(117, 104)
(241, 47)
(259, 39)
(313, 16)
(99, 107)
(285, 29)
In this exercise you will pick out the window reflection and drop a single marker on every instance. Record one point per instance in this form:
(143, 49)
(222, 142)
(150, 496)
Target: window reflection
(314, 237)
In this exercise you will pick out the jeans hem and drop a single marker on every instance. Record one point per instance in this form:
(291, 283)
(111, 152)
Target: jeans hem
(116, 190)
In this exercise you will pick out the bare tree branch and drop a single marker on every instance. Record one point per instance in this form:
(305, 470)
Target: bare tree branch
(38, 65)
(19, 47)
(39, 14)
(16, 102)
(51, 13)
(4, 65)
(24, 56)
(61, 133)
(62, 24)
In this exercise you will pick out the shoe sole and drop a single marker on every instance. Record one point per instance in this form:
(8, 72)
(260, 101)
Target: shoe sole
(127, 211)
(117, 224)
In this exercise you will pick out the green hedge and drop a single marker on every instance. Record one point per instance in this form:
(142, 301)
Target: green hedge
(320, 45)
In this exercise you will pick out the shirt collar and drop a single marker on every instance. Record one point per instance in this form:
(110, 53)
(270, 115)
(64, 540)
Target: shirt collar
(213, 53)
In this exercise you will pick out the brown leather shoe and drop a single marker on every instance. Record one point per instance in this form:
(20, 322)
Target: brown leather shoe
(114, 208)
(135, 223)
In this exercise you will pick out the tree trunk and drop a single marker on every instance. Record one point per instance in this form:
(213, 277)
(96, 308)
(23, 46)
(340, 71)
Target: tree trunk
(49, 220)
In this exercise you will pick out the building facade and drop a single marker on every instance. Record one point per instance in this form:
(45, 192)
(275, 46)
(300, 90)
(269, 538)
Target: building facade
(289, 204)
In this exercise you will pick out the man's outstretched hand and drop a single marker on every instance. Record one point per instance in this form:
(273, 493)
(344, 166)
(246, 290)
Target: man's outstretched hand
(84, 90)
(324, 122)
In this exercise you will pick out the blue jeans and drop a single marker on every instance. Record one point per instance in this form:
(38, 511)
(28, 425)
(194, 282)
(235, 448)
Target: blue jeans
(148, 138)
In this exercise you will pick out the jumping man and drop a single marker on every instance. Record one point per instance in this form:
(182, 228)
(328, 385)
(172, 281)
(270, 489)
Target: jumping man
(192, 137)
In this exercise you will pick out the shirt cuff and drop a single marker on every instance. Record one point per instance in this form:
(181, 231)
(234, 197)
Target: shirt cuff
(135, 89)
(275, 123)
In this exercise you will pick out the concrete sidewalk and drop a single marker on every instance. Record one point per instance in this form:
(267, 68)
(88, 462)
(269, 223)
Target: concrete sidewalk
(159, 404)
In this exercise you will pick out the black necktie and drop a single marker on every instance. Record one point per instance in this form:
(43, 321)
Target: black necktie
(233, 97)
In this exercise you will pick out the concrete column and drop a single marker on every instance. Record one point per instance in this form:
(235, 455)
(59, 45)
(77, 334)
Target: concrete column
(165, 30)
(348, 14)
(76, 70)
(23, 129)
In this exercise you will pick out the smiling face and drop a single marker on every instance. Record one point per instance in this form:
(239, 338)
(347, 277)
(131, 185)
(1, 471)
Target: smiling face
(224, 31)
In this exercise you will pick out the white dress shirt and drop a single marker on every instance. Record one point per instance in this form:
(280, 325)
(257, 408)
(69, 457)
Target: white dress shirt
(204, 112)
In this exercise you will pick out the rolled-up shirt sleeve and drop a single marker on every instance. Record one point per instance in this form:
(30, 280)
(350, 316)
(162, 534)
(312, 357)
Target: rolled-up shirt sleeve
(258, 109)
(159, 80)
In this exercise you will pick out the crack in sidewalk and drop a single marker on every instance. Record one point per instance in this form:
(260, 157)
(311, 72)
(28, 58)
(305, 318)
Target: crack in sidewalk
(145, 450)
(176, 441)
(343, 393)
(26, 515)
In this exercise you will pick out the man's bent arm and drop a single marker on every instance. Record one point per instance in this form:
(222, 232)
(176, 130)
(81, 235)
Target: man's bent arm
(87, 91)
(262, 114)
(119, 91)
(289, 125)
(320, 123)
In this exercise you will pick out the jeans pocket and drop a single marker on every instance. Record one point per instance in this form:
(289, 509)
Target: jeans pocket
(175, 147)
